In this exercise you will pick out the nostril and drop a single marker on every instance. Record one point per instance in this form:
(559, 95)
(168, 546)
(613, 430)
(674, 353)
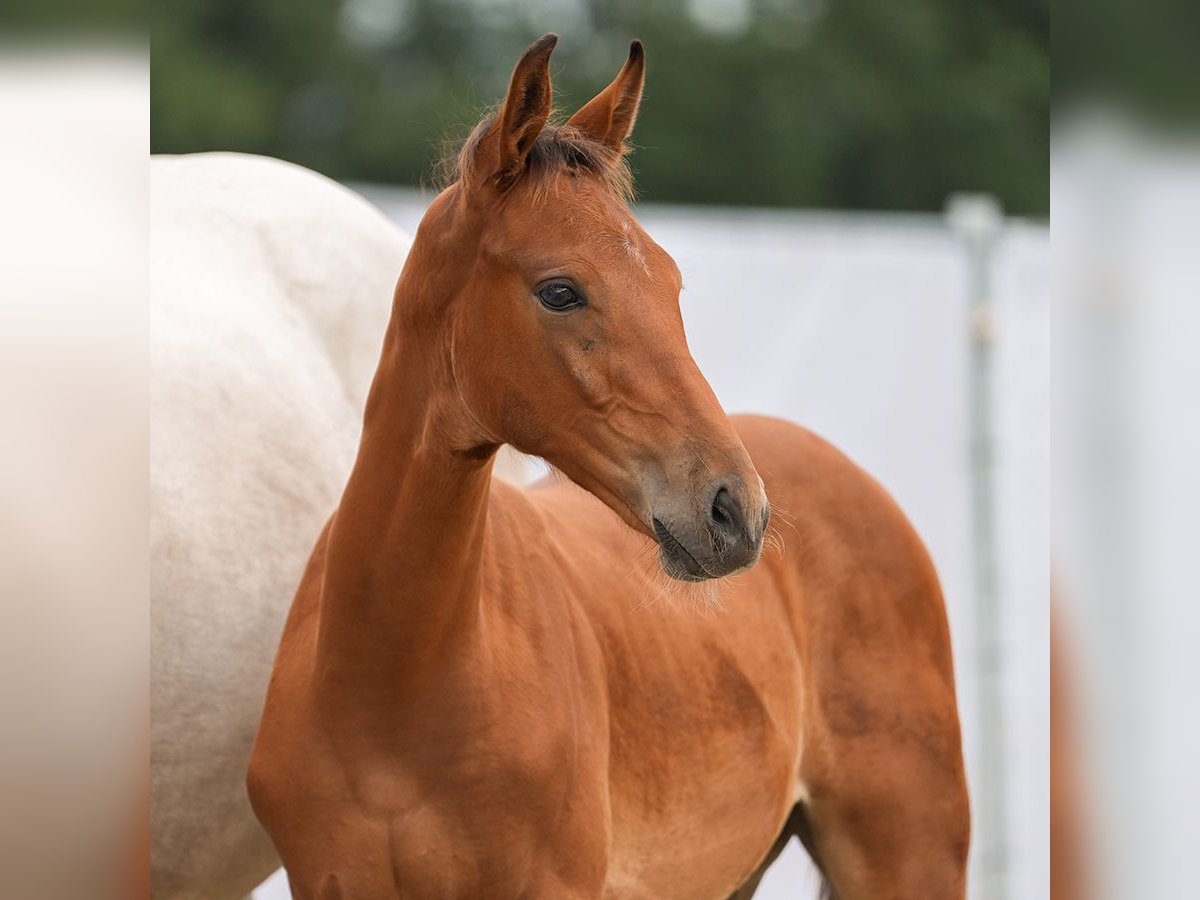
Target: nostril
(725, 512)
(718, 510)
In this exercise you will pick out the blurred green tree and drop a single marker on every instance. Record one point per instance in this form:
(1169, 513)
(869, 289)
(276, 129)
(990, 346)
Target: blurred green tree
(816, 103)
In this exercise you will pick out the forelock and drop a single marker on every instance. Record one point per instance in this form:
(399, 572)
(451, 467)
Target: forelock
(560, 149)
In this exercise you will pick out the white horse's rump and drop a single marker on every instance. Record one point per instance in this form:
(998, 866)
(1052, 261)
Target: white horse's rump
(270, 288)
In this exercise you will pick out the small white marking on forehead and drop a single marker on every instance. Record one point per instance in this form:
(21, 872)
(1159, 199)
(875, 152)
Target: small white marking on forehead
(633, 246)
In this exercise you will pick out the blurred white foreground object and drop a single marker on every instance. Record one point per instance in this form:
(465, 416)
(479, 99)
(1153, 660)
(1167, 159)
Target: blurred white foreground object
(72, 469)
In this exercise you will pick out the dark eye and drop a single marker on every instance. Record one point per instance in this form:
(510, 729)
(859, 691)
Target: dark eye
(559, 296)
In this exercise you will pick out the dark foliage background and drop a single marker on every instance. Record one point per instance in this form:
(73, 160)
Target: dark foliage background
(881, 104)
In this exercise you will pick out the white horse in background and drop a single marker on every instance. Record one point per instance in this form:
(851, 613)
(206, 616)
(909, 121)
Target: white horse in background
(270, 289)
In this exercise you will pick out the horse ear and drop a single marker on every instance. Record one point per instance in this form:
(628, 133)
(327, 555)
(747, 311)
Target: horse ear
(610, 115)
(526, 107)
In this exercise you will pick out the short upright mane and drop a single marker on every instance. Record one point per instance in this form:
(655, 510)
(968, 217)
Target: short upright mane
(558, 149)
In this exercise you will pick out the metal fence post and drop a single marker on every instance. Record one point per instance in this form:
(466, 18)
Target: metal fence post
(978, 221)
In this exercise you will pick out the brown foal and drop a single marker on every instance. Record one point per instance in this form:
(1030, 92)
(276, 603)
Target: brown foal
(477, 694)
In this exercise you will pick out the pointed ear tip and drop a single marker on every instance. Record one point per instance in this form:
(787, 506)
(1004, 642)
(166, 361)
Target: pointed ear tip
(636, 50)
(538, 53)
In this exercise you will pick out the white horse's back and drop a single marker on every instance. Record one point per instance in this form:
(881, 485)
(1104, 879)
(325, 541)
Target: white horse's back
(271, 287)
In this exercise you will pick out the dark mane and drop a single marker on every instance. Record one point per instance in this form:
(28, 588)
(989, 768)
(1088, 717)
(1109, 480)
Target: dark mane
(559, 149)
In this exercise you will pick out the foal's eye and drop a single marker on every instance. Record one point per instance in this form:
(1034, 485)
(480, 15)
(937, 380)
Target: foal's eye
(559, 296)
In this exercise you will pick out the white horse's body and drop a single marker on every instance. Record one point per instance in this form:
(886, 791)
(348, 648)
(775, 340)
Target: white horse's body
(271, 287)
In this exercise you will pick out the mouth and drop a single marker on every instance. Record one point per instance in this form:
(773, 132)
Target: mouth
(676, 560)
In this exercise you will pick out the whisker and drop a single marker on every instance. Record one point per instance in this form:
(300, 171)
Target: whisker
(788, 519)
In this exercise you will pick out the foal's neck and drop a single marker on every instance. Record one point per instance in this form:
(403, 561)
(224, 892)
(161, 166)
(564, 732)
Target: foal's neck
(403, 559)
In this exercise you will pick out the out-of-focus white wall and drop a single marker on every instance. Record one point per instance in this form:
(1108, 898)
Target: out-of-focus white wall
(855, 325)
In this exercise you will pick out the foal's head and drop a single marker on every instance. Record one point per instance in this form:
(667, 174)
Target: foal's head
(563, 335)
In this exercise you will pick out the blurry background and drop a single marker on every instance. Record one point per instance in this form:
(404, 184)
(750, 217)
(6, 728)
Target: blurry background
(794, 103)
(909, 328)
